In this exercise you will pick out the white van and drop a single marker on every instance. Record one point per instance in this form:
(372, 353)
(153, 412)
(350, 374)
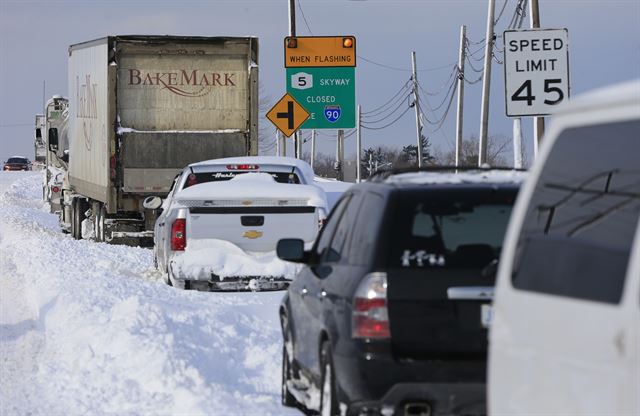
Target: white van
(565, 338)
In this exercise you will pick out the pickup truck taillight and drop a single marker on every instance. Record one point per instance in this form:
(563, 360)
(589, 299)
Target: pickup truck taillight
(370, 317)
(179, 234)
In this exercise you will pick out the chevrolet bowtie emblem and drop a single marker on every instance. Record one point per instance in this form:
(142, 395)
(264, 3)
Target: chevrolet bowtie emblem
(253, 234)
(247, 202)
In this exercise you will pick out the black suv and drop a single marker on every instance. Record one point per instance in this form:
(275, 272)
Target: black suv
(390, 314)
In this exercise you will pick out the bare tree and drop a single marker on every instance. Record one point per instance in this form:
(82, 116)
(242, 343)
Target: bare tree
(498, 148)
(266, 131)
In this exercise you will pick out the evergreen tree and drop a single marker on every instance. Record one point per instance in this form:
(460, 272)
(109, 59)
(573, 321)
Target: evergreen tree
(409, 154)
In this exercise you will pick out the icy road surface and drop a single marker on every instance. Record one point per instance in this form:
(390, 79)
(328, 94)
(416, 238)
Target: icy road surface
(89, 328)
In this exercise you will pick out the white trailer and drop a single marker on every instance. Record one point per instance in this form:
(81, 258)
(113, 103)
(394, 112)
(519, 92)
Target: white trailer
(142, 108)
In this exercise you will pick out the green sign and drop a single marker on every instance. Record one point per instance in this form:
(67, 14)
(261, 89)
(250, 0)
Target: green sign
(328, 94)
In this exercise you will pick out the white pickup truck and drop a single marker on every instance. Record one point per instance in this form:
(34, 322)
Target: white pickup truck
(221, 222)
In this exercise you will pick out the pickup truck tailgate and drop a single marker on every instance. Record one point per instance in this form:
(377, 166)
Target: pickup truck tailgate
(253, 228)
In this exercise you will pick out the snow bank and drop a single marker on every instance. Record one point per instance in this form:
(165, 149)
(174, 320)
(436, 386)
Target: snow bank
(89, 328)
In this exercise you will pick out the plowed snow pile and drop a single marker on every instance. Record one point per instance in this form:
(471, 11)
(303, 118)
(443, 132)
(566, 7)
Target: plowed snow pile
(89, 328)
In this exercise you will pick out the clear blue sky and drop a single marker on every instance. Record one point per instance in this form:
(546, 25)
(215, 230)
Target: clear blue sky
(604, 48)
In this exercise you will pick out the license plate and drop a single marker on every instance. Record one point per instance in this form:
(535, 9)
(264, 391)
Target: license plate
(486, 315)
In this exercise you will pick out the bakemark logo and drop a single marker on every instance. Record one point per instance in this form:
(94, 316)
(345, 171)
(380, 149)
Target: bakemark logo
(186, 83)
(87, 100)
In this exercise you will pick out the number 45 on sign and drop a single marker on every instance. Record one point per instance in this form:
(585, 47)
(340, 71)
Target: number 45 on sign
(536, 71)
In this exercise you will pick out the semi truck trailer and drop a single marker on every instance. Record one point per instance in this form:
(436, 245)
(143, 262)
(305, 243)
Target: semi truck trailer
(141, 109)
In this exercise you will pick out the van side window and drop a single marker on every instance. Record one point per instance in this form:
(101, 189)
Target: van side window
(579, 227)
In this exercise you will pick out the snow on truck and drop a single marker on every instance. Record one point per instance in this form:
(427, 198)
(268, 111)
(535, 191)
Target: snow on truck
(141, 109)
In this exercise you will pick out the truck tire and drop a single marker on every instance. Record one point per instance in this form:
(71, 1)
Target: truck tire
(98, 226)
(75, 229)
(79, 208)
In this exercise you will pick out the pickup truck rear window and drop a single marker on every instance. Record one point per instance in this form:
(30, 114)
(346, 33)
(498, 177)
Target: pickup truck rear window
(449, 229)
(203, 177)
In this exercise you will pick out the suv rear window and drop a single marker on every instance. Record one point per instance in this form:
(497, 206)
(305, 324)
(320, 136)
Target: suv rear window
(203, 177)
(461, 228)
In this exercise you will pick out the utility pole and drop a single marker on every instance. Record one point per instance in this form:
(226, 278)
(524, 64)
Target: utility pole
(538, 122)
(461, 58)
(416, 105)
(486, 83)
(358, 145)
(292, 33)
(313, 147)
(340, 155)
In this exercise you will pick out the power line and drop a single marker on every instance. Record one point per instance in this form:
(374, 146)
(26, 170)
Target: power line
(504, 6)
(390, 124)
(445, 98)
(375, 110)
(454, 71)
(388, 115)
(395, 68)
(305, 18)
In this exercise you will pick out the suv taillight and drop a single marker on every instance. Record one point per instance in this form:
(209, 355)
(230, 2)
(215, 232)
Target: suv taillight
(370, 317)
(179, 234)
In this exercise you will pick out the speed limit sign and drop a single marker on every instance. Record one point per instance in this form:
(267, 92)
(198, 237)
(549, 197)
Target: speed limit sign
(536, 71)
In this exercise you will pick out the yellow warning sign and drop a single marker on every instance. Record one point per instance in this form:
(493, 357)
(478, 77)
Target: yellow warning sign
(319, 51)
(288, 115)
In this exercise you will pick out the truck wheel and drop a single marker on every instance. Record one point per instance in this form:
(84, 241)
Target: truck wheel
(79, 208)
(75, 220)
(98, 226)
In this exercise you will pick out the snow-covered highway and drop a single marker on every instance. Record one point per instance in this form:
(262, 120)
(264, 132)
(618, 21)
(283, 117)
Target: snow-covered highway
(90, 328)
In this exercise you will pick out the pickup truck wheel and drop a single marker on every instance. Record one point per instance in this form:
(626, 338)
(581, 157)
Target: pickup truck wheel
(328, 399)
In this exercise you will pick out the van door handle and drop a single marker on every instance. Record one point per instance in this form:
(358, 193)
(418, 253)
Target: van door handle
(471, 292)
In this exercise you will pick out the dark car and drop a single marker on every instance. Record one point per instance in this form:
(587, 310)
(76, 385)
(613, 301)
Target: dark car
(390, 314)
(17, 163)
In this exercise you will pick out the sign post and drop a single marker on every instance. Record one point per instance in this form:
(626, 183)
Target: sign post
(536, 71)
(321, 77)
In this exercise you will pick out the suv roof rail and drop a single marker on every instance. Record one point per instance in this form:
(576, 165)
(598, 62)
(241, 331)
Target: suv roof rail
(382, 174)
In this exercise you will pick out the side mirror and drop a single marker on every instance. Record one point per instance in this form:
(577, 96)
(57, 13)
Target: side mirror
(152, 202)
(53, 139)
(292, 249)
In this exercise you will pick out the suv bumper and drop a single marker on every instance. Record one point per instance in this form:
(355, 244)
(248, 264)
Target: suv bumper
(384, 386)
